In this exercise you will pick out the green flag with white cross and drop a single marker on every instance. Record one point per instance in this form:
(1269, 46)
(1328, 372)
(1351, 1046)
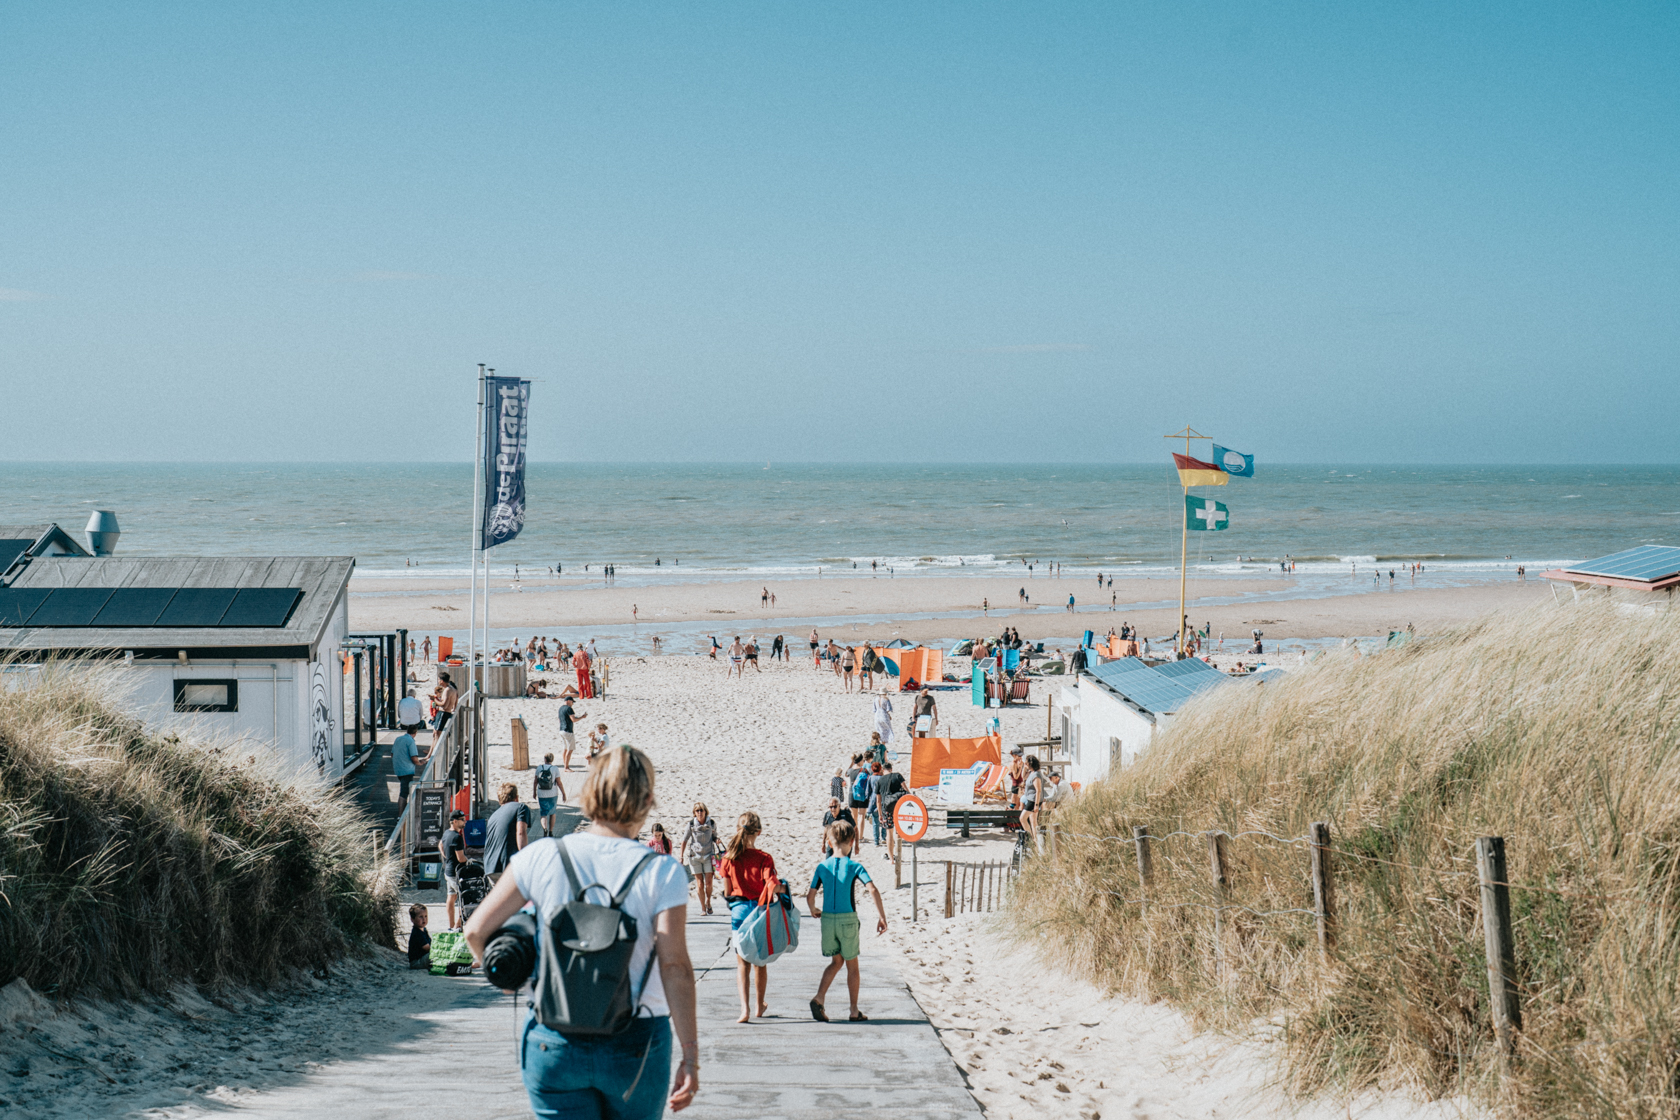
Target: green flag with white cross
(1204, 513)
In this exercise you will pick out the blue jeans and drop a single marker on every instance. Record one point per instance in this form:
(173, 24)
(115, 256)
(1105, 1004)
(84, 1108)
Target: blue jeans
(587, 1078)
(875, 819)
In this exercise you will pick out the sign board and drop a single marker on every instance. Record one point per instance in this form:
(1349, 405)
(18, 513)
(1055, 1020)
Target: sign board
(956, 787)
(910, 818)
(432, 806)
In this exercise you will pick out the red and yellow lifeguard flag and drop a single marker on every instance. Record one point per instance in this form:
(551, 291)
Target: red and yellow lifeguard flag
(1194, 472)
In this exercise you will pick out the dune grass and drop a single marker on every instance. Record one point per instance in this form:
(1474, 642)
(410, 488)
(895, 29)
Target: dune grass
(131, 862)
(1554, 728)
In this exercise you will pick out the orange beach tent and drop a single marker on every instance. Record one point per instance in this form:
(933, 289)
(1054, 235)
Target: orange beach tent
(924, 665)
(929, 756)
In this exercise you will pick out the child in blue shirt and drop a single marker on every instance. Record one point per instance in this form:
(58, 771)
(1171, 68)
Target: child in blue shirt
(837, 878)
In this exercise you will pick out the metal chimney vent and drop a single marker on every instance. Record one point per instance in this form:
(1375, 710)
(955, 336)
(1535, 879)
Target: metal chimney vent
(102, 532)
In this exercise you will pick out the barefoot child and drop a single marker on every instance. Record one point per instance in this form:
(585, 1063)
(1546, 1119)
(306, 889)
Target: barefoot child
(837, 878)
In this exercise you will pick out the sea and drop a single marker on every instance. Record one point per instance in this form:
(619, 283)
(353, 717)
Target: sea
(673, 522)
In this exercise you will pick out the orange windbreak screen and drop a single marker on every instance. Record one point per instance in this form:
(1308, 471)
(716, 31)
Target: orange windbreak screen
(922, 665)
(446, 646)
(929, 756)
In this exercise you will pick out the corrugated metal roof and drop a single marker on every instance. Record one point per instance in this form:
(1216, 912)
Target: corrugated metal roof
(322, 579)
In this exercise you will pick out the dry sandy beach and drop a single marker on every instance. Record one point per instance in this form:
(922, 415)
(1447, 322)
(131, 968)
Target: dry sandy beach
(1340, 608)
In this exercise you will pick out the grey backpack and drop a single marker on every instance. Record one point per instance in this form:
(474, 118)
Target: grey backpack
(583, 966)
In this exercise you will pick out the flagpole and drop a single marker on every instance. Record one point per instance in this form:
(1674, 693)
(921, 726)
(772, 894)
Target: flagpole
(1187, 435)
(478, 524)
(483, 552)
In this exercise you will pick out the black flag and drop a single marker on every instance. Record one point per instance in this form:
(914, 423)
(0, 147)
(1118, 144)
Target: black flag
(506, 418)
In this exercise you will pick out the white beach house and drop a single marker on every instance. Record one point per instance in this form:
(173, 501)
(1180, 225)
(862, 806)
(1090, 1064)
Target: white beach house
(1111, 713)
(245, 648)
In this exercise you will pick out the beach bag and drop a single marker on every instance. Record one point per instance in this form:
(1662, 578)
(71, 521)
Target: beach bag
(583, 968)
(860, 786)
(450, 954)
(545, 779)
(770, 930)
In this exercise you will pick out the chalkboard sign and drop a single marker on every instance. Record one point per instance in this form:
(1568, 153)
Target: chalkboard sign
(433, 806)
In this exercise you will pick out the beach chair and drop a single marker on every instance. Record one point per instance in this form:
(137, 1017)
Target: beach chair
(1018, 691)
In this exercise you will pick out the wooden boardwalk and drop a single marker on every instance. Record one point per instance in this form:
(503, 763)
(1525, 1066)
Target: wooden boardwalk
(455, 1057)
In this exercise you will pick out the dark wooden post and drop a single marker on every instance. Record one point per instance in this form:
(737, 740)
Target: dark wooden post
(1221, 882)
(948, 881)
(1146, 863)
(1324, 887)
(1496, 935)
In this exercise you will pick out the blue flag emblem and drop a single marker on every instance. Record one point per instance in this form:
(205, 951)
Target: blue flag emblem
(1233, 462)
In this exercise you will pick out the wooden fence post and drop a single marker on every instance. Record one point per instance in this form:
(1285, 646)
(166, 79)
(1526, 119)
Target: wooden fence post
(1324, 887)
(1146, 863)
(1221, 881)
(950, 876)
(898, 865)
(1496, 935)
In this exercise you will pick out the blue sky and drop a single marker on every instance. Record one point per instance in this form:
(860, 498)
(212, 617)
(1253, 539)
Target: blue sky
(936, 232)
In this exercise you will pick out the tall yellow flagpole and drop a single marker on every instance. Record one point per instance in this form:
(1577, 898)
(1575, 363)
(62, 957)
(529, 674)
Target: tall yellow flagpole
(1187, 434)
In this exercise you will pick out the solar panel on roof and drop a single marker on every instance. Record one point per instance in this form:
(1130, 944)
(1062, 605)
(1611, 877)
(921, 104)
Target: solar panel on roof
(17, 604)
(70, 606)
(1648, 563)
(10, 550)
(197, 606)
(134, 606)
(1190, 667)
(261, 606)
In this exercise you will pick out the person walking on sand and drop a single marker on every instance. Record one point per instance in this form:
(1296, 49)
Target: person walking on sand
(548, 791)
(737, 657)
(816, 645)
(699, 847)
(748, 874)
(836, 880)
(426, 649)
(1070, 604)
(848, 666)
(776, 648)
(883, 718)
(752, 655)
(715, 648)
(568, 734)
(763, 598)
(626, 1075)
(925, 715)
(1032, 796)
(837, 811)
(866, 669)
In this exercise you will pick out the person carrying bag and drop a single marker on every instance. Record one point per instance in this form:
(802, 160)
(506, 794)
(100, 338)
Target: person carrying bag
(613, 979)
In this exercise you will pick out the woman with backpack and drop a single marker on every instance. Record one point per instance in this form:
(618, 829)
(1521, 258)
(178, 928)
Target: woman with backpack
(597, 1070)
(748, 874)
(699, 847)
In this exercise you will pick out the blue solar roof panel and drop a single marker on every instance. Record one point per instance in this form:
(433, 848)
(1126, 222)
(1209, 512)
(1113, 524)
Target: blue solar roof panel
(1189, 667)
(70, 606)
(10, 550)
(134, 606)
(1648, 563)
(197, 606)
(18, 603)
(1158, 688)
(261, 606)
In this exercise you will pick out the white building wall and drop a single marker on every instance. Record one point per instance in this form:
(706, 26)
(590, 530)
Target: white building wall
(1101, 731)
(292, 709)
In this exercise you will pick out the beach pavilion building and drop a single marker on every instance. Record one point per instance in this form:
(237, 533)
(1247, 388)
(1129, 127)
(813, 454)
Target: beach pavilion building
(245, 648)
(1636, 572)
(1111, 713)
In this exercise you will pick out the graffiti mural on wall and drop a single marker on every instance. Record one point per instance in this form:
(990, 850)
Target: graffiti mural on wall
(321, 729)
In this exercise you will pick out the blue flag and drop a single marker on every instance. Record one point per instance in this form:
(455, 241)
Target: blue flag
(1233, 462)
(507, 401)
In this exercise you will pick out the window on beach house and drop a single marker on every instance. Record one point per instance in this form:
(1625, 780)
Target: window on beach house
(206, 696)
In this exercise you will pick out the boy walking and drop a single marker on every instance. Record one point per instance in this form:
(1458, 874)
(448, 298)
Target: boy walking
(549, 791)
(837, 878)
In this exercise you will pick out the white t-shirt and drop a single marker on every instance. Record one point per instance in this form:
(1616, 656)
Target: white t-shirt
(663, 884)
(408, 712)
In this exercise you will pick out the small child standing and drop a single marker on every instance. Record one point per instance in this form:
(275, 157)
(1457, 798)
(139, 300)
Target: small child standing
(419, 941)
(837, 878)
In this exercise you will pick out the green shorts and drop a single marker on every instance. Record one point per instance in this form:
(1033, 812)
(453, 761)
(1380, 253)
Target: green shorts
(840, 936)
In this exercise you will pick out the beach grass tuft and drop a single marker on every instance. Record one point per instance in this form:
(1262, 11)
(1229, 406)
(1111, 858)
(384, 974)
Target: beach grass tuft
(1555, 728)
(132, 861)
